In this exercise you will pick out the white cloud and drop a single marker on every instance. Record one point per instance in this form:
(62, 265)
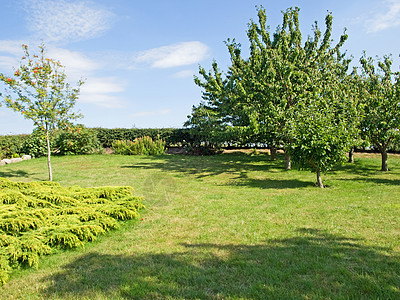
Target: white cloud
(103, 100)
(152, 113)
(384, 20)
(12, 53)
(101, 91)
(184, 74)
(77, 65)
(7, 63)
(62, 21)
(181, 54)
(11, 47)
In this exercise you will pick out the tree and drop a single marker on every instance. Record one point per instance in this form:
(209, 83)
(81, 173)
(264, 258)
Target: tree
(40, 92)
(321, 133)
(273, 77)
(323, 126)
(381, 98)
(221, 117)
(271, 90)
(205, 127)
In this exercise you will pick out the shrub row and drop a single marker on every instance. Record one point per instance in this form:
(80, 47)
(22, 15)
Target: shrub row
(81, 140)
(72, 140)
(37, 217)
(141, 146)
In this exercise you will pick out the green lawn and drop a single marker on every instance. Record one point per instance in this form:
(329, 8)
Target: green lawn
(232, 226)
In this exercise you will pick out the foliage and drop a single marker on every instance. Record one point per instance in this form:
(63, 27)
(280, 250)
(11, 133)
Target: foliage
(207, 131)
(38, 216)
(76, 140)
(40, 92)
(11, 145)
(261, 98)
(141, 146)
(380, 96)
(35, 144)
(320, 137)
(172, 136)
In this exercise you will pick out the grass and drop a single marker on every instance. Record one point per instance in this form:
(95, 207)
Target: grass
(233, 226)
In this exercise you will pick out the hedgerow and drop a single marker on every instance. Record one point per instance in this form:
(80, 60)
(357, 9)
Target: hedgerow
(171, 136)
(37, 217)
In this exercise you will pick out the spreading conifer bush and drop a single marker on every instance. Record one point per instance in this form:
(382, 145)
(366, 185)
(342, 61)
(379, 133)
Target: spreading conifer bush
(37, 217)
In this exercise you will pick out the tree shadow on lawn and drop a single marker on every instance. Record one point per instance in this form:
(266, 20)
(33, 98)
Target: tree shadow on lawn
(202, 166)
(269, 183)
(235, 164)
(315, 264)
(14, 173)
(366, 173)
(375, 180)
(356, 168)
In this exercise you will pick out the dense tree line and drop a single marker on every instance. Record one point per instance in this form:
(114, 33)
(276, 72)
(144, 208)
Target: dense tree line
(299, 96)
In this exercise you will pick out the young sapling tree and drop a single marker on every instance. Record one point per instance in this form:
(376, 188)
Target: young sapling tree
(39, 90)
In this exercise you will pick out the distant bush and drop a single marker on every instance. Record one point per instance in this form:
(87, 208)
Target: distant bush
(35, 144)
(36, 217)
(76, 140)
(141, 146)
(11, 145)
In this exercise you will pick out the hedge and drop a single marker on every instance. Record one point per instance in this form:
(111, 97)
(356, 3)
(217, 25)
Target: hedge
(174, 137)
(171, 136)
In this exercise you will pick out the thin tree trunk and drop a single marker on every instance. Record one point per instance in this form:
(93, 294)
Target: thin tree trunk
(273, 153)
(384, 160)
(351, 155)
(288, 164)
(48, 155)
(319, 179)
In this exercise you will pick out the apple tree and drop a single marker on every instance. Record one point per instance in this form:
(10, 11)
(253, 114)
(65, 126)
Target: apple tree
(39, 90)
(381, 98)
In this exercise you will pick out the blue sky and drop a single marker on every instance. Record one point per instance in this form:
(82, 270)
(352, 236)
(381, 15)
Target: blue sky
(138, 58)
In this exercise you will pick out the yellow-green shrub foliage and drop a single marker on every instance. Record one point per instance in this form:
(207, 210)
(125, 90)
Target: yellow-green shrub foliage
(141, 146)
(37, 216)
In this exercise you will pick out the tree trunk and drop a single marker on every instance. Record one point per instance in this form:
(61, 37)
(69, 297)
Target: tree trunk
(319, 179)
(288, 164)
(351, 155)
(273, 153)
(384, 160)
(48, 155)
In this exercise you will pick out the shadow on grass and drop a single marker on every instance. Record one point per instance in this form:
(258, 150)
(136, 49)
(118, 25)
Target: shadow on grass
(202, 166)
(14, 173)
(365, 171)
(312, 265)
(273, 183)
(235, 164)
(358, 167)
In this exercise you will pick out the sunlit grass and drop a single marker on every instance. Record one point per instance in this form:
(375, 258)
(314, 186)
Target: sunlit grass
(233, 226)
